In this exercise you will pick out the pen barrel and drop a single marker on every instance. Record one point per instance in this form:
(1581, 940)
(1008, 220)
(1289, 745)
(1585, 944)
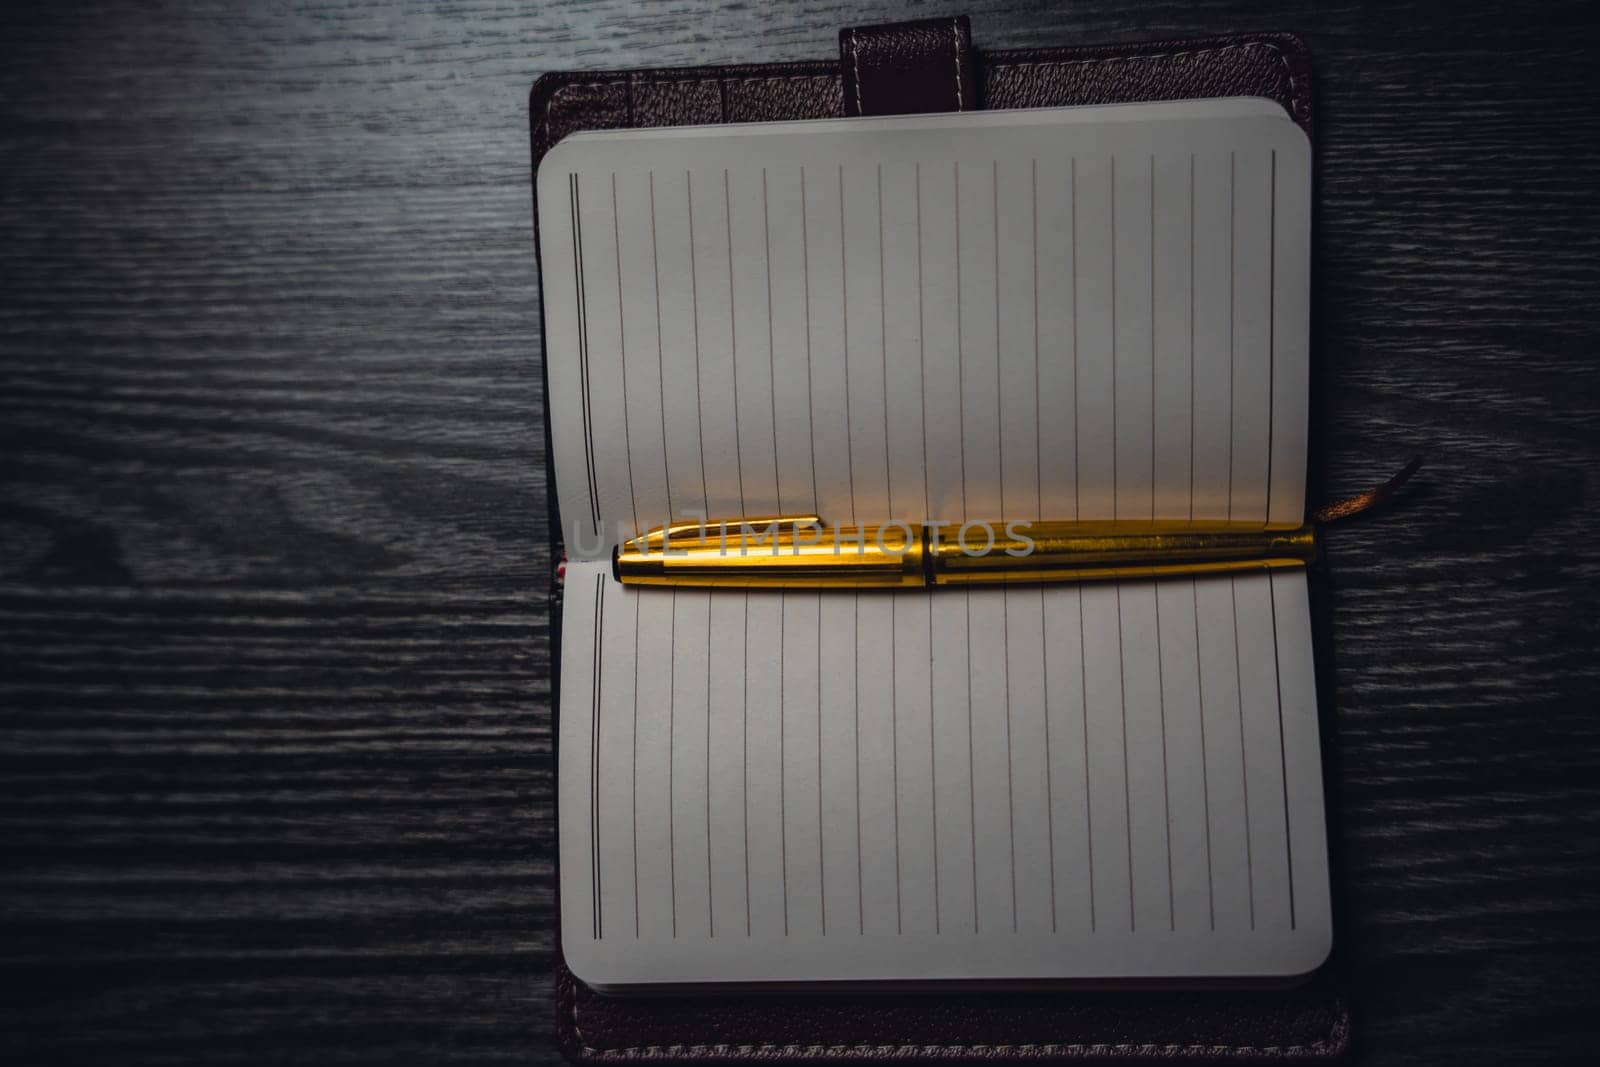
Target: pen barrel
(1078, 552)
(808, 557)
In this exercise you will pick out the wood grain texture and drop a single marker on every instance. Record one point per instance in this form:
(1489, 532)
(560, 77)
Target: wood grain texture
(274, 695)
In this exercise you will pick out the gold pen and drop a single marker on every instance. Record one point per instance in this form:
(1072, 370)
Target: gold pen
(802, 552)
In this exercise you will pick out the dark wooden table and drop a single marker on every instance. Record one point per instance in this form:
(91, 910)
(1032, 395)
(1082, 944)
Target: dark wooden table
(274, 694)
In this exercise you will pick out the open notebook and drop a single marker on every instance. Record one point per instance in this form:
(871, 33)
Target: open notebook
(1094, 312)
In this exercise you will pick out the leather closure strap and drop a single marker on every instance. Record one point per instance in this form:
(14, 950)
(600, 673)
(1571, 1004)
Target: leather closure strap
(904, 68)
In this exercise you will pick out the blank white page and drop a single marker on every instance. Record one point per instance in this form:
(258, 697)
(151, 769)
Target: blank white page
(1091, 313)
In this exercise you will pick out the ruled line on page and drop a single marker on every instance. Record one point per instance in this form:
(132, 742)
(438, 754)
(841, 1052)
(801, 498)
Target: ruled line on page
(772, 364)
(594, 753)
(1127, 800)
(933, 779)
(961, 345)
(744, 761)
(927, 509)
(895, 595)
(661, 359)
(1088, 792)
(1272, 362)
(733, 342)
(1244, 759)
(586, 409)
(999, 362)
(622, 354)
(1153, 320)
(672, 760)
(1077, 394)
(1116, 438)
(1038, 498)
(972, 787)
(883, 334)
(1233, 279)
(822, 845)
(894, 750)
(1005, 593)
(1205, 762)
(844, 322)
(1166, 777)
(922, 353)
(634, 792)
(855, 678)
(1011, 788)
(694, 327)
(811, 388)
(1283, 759)
(1191, 339)
(711, 879)
(783, 758)
(1038, 434)
(1049, 759)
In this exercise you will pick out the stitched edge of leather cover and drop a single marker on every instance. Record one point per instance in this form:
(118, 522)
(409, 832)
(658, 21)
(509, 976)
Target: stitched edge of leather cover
(1308, 1021)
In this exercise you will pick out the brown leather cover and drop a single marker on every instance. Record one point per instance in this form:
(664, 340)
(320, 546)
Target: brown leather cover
(1306, 1022)
(1271, 65)
(930, 66)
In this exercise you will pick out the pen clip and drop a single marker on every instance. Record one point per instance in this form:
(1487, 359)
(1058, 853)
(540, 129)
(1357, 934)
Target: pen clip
(697, 530)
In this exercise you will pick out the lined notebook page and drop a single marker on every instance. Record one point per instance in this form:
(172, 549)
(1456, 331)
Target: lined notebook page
(1094, 313)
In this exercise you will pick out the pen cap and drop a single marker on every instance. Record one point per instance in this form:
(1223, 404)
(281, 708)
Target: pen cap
(774, 553)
